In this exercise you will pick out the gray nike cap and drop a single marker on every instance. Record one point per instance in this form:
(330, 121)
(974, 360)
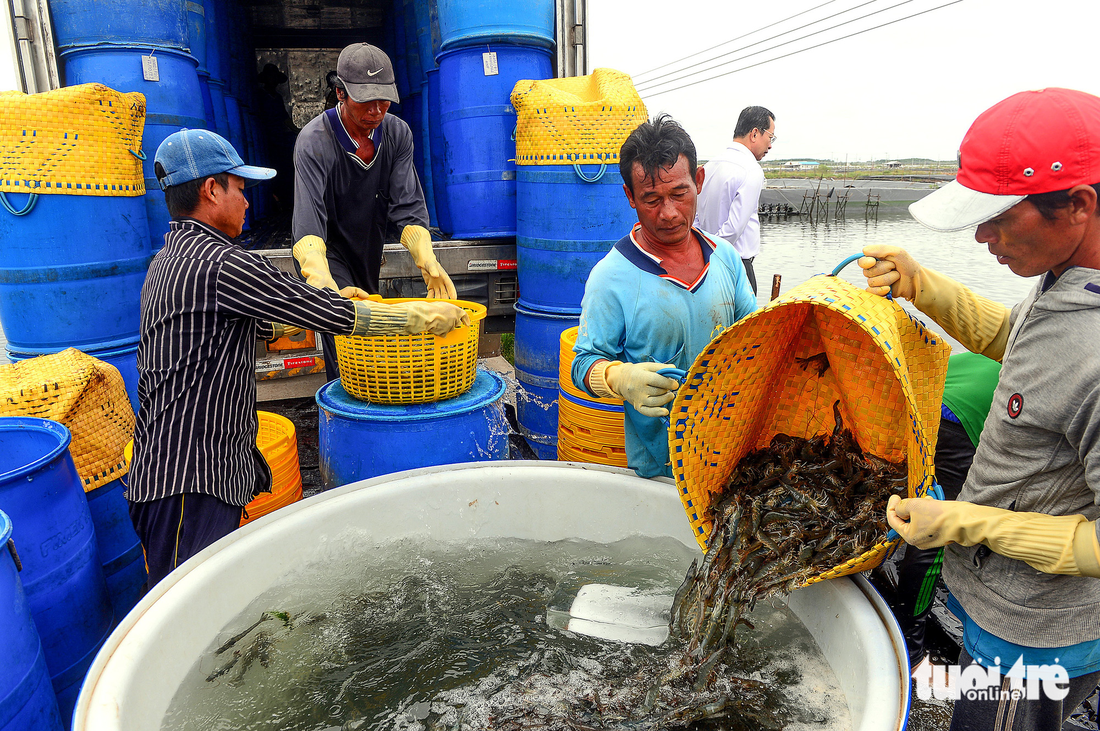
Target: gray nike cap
(366, 73)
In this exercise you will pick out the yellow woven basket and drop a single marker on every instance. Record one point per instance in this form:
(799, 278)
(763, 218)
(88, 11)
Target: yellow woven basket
(575, 119)
(77, 140)
(411, 369)
(885, 367)
(85, 394)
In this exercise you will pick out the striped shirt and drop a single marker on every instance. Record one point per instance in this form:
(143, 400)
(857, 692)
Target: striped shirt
(204, 304)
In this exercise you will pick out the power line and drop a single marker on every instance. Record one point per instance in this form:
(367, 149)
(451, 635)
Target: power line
(650, 82)
(794, 53)
(731, 40)
(649, 85)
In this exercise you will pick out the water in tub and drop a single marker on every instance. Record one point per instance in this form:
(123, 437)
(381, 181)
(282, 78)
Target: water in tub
(435, 636)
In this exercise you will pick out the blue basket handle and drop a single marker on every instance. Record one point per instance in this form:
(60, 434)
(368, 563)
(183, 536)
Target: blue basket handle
(845, 263)
(140, 154)
(585, 178)
(937, 494)
(32, 198)
(678, 374)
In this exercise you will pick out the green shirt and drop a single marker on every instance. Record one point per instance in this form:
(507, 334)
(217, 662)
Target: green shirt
(968, 390)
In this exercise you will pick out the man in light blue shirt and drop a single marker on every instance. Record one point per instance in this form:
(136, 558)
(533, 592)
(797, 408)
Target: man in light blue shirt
(659, 296)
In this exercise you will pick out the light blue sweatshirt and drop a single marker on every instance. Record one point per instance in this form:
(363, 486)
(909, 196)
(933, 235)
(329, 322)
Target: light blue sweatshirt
(634, 312)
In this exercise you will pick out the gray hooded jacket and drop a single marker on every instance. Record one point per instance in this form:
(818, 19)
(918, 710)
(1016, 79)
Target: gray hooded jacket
(1039, 452)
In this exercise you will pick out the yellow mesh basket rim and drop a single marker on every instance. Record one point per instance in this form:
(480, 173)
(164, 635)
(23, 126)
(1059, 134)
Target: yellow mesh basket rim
(411, 369)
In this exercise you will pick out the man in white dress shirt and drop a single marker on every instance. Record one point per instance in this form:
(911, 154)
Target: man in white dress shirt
(730, 197)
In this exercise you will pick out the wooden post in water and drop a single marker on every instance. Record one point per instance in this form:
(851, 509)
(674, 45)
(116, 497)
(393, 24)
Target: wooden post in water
(775, 285)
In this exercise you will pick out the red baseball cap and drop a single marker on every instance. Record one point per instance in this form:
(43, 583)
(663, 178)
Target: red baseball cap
(1032, 142)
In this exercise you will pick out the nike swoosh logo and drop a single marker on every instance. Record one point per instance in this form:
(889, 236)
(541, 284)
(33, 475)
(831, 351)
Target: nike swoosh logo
(374, 73)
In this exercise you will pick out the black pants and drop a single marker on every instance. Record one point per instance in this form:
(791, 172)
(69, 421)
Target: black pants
(1041, 714)
(750, 273)
(175, 528)
(919, 570)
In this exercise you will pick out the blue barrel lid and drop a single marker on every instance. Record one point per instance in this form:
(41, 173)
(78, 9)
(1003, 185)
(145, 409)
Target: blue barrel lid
(43, 426)
(5, 529)
(539, 313)
(487, 388)
(589, 404)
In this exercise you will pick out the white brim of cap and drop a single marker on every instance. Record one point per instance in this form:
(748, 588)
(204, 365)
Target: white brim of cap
(955, 207)
(252, 173)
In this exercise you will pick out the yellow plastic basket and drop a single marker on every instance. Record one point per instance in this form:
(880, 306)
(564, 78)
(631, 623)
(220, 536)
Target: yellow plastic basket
(411, 369)
(753, 382)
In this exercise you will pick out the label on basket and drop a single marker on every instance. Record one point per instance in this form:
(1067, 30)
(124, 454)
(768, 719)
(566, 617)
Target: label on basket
(149, 70)
(303, 362)
(489, 60)
(491, 265)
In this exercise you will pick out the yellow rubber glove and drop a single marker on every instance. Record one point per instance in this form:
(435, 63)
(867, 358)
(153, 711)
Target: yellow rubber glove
(284, 331)
(407, 318)
(1054, 544)
(419, 243)
(311, 253)
(980, 324)
(636, 383)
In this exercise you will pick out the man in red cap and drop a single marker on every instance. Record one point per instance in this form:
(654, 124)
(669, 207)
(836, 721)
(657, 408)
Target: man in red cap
(1022, 556)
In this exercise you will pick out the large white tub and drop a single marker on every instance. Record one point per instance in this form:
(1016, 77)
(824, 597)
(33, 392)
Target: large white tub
(136, 674)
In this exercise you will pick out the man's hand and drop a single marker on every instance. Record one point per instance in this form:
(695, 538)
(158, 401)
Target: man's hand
(890, 269)
(312, 257)
(438, 318)
(917, 520)
(354, 293)
(639, 385)
(419, 243)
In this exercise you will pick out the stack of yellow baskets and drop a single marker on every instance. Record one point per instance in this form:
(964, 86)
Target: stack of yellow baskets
(411, 369)
(589, 429)
(279, 444)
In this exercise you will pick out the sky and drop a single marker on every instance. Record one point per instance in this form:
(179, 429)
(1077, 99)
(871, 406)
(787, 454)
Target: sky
(910, 89)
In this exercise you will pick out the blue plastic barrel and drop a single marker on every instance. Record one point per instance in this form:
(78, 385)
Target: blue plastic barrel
(567, 218)
(52, 527)
(438, 153)
(59, 290)
(397, 53)
(478, 124)
(466, 23)
(537, 348)
(358, 440)
(171, 104)
(27, 700)
(196, 31)
(124, 358)
(212, 12)
(217, 102)
(424, 142)
(159, 23)
(413, 65)
(412, 111)
(424, 40)
(119, 547)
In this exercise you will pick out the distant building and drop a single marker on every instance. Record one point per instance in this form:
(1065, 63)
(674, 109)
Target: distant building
(892, 164)
(801, 164)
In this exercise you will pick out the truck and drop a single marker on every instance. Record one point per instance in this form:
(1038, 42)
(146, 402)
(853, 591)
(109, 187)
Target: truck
(302, 40)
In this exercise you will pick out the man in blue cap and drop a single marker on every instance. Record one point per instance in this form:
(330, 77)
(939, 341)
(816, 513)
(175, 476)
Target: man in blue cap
(204, 304)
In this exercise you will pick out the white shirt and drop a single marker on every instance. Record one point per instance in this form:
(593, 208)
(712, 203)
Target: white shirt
(730, 198)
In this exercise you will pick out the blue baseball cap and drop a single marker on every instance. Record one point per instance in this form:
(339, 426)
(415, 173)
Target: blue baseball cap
(191, 154)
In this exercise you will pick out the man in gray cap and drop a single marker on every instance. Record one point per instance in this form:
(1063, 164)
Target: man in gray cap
(354, 173)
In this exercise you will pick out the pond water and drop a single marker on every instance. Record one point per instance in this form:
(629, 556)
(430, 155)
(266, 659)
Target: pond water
(454, 636)
(798, 249)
